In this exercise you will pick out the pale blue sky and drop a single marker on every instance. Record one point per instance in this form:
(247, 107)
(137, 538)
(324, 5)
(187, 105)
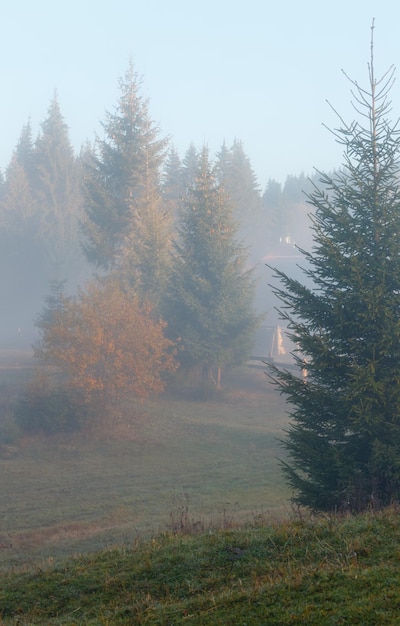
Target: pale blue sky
(214, 70)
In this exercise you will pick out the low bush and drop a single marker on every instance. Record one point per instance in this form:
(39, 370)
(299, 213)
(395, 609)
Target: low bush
(49, 409)
(9, 430)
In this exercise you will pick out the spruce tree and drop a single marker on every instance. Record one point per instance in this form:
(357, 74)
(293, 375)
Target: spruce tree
(190, 167)
(211, 289)
(24, 151)
(173, 183)
(125, 216)
(40, 209)
(22, 257)
(272, 201)
(343, 443)
(239, 181)
(54, 306)
(57, 190)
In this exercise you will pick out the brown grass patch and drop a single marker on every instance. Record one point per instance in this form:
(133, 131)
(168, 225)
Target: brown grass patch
(35, 539)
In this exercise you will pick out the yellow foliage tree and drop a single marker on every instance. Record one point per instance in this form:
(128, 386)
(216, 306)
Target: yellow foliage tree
(106, 342)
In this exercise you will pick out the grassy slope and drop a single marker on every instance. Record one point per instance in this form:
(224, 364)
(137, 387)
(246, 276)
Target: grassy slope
(185, 465)
(317, 571)
(166, 463)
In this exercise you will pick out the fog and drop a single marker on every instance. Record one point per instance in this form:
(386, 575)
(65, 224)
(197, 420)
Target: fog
(195, 236)
(43, 206)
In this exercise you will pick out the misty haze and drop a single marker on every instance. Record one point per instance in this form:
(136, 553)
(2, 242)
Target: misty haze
(136, 319)
(200, 336)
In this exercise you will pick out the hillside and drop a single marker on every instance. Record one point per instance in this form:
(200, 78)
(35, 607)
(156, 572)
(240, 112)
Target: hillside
(305, 571)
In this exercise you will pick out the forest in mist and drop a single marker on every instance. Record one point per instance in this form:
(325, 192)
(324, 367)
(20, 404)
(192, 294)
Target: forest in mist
(120, 203)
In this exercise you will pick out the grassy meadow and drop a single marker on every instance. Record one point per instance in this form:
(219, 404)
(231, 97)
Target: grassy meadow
(172, 463)
(176, 513)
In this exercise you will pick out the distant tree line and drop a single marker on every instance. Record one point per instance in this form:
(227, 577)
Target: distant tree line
(181, 238)
(48, 196)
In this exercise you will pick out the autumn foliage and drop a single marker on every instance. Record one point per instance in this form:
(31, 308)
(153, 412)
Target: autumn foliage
(106, 342)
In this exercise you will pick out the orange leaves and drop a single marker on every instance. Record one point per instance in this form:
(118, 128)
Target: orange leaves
(105, 340)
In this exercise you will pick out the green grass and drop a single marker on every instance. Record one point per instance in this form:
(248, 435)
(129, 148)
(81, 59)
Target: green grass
(176, 513)
(168, 463)
(312, 571)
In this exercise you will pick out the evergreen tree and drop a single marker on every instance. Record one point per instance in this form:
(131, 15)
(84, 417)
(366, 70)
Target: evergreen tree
(57, 189)
(224, 161)
(18, 208)
(286, 211)
(22, 258)
(18, 204)
(173, 183)
(190, 166)
(39, 219)
(24, 151)
(145, 256)
(211, 292)
(54, 305)
(239, 181)
(344, 443)
(272, 201)
(126, 219)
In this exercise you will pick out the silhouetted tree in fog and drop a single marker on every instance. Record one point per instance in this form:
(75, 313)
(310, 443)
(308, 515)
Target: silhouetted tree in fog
(240, 185)
(57, 188)
(173, 183)
(39, 215)
(210, 298)
(127, 225)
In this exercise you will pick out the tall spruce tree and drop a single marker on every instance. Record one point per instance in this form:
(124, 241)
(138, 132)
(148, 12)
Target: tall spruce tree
(190, 167)
(22, 258)
(344, 442)
(127, 225)
(57, 188)
(39, 220)
(272, 201)
(173, 183)
(240, 184)
(24, 151)
(211, 290)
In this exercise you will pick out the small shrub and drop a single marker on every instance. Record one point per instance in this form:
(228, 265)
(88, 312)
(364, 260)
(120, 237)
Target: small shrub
(49, 410)
(9, 430)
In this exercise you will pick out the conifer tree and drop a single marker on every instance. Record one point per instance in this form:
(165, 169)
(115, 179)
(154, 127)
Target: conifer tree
(239, 182)
(24, 151)
(237, 176)
(344, 442)
(211, 290)
(190, 166)
(18, 208)
(57, 189)
(22, 256)
(272, 201)
(126, 221)
(54, 304)
(145, 256)
(39, 218)
(173, 183)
